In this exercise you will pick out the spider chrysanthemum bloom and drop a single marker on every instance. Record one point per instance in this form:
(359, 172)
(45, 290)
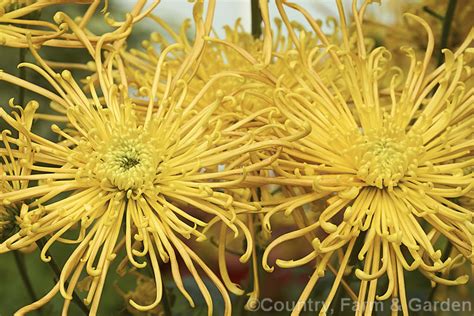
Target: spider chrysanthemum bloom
(396, 31)
(216, 59)
(387, 161)
(18, 8)
(115, 169)
(120, 173)
(21, 18)
(21, 23)
(13, 148)
(237, 51)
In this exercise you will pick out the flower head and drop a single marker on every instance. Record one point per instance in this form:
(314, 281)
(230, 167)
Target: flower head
(393, 31)
(21, 23)
(237, 52)
(384, 156)
(128, 179)
(12, 148)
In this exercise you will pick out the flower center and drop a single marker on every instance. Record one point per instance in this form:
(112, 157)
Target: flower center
(128, 163)
(8, 222)
(127, 160)
(126, 156)
(384, 158)
(383, 164)
(9, 6)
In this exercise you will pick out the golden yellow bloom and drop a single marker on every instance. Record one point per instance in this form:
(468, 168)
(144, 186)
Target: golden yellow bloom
(116, 169)
(12, 149)
(140, 65)
(18, 26)
(385, 160)
(400, 32)
(250, 108)
(20, 7)
(119, 173)
(237, 52)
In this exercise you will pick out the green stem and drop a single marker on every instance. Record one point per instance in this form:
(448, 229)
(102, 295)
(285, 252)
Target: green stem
(20, 263)
(447, 22)
(256, 19)
(19, 258)
(21, 75)
(166, 303)
(57, 272)
(433, 13)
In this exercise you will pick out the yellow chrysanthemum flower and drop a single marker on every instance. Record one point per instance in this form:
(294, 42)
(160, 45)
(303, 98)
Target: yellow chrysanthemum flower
(238, 51)
(252, 109)
(10, 6)
(120, 173)
(397, 31)
(385, 160)
(118, 169)
(11, 150)
(18, 27)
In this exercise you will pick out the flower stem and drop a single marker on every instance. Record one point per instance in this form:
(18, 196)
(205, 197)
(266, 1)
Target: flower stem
(20, 263)
(447, 22)
(166, 303)
(433, 13)
(21, 75)
(57, 272)
(256, 19)
(19, 257)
